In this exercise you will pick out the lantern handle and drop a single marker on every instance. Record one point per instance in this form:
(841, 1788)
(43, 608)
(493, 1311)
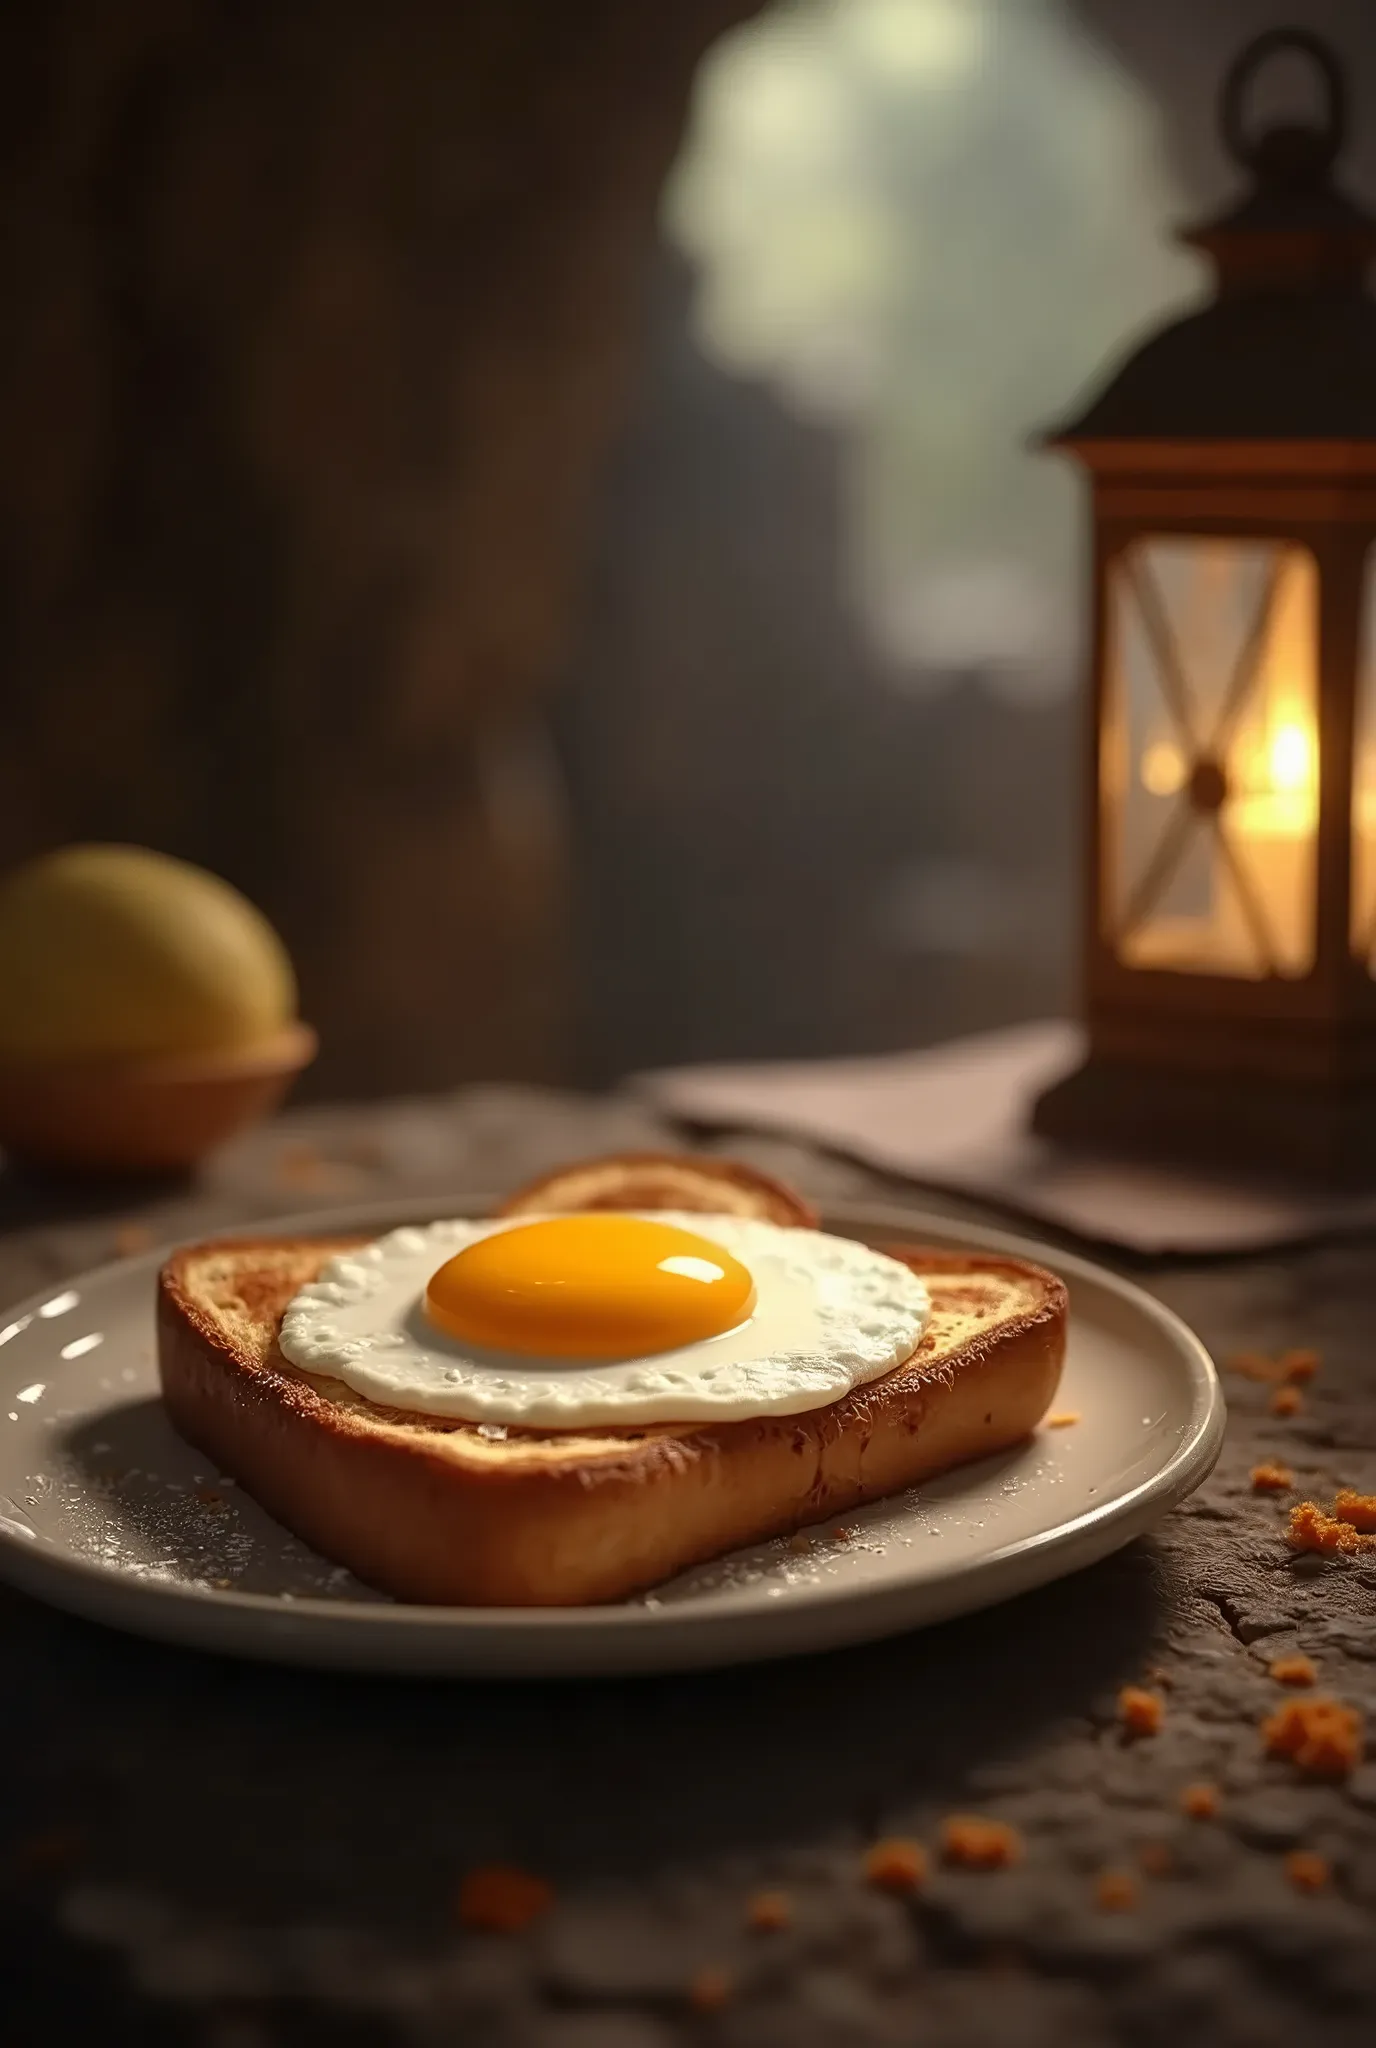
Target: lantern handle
(1322, 142)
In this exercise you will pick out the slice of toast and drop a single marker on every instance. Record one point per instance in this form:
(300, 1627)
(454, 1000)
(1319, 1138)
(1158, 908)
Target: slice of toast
(663, 1180)
(435, 1511)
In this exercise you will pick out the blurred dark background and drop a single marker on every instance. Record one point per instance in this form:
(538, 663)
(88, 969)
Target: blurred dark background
(537, 494)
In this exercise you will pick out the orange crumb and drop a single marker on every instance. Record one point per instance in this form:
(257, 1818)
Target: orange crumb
(501, 1899)
(710, 1990)
(1064, 1418)
(1286, 1401)
(1299, 1365)
(1272, 1477)
(767, 1912)
(209, 1498)
(1306, 1871)
(1321, 1737)
(1253, 1365)
(1156, 1859)
(1140, 1712)
(1115, 1891)
(131, 1238)
(799, 1543)
(1358, 1510)
(978, 1844)
(1296, 1670)
(1312, 1528)
(896, 1864)
(845, 1534)
(1200, 1801)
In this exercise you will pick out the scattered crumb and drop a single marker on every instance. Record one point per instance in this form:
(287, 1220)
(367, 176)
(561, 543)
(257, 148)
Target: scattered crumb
(1306, 1871)
(1321, 1736)
(1312, 1528)
(1299, 1364)
(1253, 1365)
(1272, 1477)
(977, 1844)
(1356, 1509)
(800, 1543)
(767, 1912)
(501, 1899)
(132, 1238)
(222, 1585)
(1064, 1418)
(896, 1864)
(845, 1534)
(1156, 1859)
(1200, 1801)
(710, 1990)
(1286, 1401)
(1115, 1891)
(1139, 1711)
(209, 1498)
(1294, 1670)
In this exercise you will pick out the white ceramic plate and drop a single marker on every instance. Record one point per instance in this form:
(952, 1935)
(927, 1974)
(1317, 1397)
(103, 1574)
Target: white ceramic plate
(105, 1511)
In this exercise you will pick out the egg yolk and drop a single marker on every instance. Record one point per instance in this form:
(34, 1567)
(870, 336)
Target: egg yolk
(592, 1286)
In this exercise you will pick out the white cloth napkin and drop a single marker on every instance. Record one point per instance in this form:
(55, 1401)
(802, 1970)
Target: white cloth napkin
(956, 1117)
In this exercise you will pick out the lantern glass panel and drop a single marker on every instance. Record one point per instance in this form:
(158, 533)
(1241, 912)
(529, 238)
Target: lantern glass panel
(1364, 783)
(1209, 756)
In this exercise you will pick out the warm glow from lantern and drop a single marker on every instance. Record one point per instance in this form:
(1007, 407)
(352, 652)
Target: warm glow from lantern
(1215, 858)
(1292, 757)
(1163, 769)
(1364, 786)
(1279, 784)
(1273, 821)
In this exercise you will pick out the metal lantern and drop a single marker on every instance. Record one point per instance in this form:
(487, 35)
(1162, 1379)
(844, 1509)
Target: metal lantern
(1230, 958)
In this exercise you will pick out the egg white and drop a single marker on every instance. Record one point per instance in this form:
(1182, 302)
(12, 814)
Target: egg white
(830, 1315)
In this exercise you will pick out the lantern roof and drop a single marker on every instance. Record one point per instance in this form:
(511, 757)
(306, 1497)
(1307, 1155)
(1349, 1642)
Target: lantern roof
(1286, 349)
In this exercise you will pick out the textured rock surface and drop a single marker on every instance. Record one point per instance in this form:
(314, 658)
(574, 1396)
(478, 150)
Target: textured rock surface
(316, 318)
(203, 1852)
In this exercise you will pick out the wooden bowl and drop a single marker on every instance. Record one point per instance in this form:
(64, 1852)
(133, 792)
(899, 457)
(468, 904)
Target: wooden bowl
(157, 1115)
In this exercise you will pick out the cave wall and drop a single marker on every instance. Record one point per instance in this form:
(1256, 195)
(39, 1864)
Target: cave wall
(317, 320)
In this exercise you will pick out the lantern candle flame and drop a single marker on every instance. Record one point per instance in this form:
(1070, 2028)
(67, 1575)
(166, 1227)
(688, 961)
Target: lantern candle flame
(1292, 758)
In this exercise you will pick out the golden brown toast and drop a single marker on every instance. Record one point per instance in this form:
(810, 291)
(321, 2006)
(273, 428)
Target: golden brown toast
(662, 1180)
(435, 1511)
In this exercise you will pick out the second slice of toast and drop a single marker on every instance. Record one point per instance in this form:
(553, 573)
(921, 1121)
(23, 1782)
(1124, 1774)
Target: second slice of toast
(442, 1512)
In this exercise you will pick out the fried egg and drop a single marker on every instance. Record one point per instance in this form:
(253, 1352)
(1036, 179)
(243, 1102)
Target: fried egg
(572, 1322)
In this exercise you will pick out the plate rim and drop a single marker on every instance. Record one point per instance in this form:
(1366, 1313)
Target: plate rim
(304, 1625)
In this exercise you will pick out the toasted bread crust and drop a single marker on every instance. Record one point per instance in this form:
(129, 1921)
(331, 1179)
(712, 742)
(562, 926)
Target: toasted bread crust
(663, 1180)
(433, 1511)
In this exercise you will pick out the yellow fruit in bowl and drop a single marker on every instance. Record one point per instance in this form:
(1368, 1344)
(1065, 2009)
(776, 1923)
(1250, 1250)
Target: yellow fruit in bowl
(147, 1010)
(113, 951)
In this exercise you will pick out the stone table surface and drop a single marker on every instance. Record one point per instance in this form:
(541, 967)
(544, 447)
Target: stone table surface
(194, 1850)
